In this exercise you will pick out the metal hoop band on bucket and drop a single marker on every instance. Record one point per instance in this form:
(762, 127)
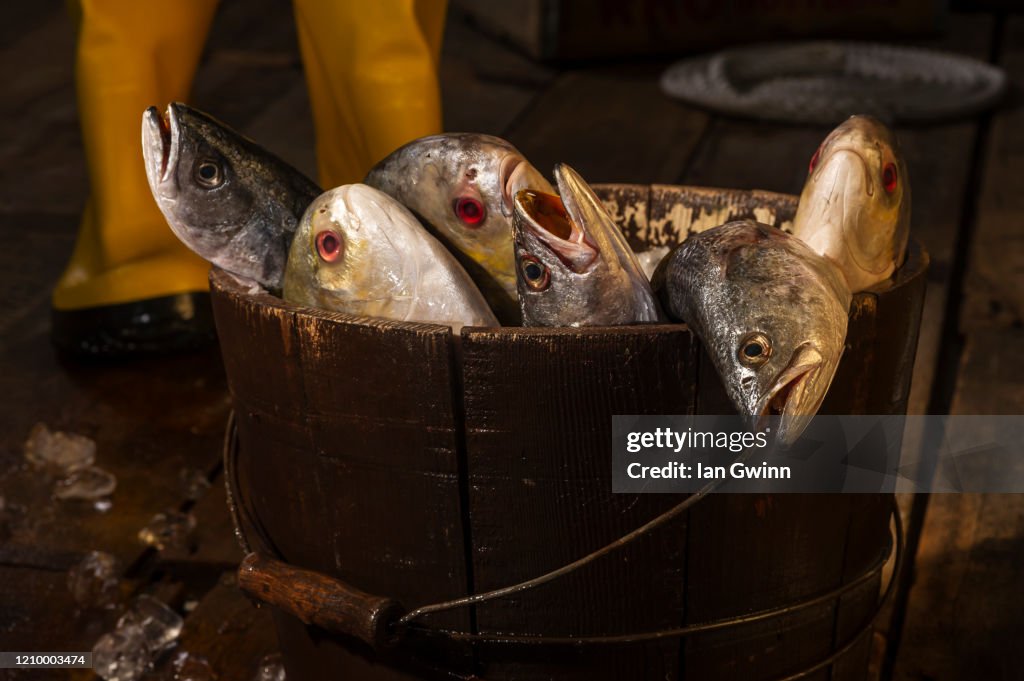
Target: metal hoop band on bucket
(382, 623)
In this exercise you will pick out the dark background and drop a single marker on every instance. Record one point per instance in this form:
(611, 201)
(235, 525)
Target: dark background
(960, 611)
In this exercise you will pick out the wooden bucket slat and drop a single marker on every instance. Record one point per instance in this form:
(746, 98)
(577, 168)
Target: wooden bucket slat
(349, 454)
(538, 437)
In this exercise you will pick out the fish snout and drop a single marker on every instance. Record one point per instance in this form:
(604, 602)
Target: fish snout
(581, 206)
(159, 149)
(845, 170)
(795, 395)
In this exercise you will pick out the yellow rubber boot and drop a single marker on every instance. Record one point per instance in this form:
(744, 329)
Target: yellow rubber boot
(128, 57)
(371, 68)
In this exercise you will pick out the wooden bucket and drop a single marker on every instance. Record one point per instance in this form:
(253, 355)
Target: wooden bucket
(405, 462)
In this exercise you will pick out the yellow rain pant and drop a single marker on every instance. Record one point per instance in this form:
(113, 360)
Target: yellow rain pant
(371, 68)
(129, 57)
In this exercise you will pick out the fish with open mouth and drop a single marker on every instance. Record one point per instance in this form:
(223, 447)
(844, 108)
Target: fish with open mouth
(359, 251)
(771, 313)
(855, 205)
(574, 266)
(461, 186)
(231, 201)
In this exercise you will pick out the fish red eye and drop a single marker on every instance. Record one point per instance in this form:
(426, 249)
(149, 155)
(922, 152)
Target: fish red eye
(814, 160)
(328, 245)
(889, 177)
(534, 272)
(469, 210)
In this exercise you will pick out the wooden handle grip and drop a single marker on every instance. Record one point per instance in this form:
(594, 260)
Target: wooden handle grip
(320, 600)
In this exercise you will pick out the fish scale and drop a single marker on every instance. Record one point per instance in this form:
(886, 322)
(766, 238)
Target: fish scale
(771, 312)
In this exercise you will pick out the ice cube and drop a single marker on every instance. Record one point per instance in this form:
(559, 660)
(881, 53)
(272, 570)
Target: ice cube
(86, 483)
(168, 529)
(271, 668)
(159, 624)
(57, 452)
(193, 483)
(122, 654)
(189, 667)
(93, 581)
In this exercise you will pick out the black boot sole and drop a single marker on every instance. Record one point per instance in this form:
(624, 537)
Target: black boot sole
(153, 326)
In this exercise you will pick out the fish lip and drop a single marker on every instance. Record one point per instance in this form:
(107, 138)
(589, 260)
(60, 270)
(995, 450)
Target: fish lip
(571, 195)
(170, 133)
(512, 166)
(154, 145)
(159, 136)
(788, 390)
(576, 252)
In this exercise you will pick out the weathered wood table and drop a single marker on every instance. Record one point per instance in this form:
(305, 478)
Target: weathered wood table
(151, 419)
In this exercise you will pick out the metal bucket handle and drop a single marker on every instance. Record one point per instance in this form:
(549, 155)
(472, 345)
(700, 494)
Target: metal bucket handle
(381, 622)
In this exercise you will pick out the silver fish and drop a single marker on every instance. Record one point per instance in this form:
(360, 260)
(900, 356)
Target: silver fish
(771, 313)
(575, 267)
(359, 251)
(228, 199)
(461, 186)
(651, 258)
(855, 206)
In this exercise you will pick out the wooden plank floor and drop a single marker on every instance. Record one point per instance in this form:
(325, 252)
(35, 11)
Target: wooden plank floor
(965, 610)
(957, 619)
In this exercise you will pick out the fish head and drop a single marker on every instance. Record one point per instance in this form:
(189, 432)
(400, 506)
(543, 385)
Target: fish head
(574, 266)
(553, 258)
(462, 187)
(772, 315)
(855, 205)
(222, 195)
(347, 253)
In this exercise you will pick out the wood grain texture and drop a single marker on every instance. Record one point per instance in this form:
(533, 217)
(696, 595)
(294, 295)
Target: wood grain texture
(228, 630)
(215, 548)
(24, 627)
(966, 609)
(609, 125)
(143, 442)
(746, 551)
(485, 85)
(154, 417)
(336, 421)
(753, 155)
(41, 149)
(993, 295)
(538, 404)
